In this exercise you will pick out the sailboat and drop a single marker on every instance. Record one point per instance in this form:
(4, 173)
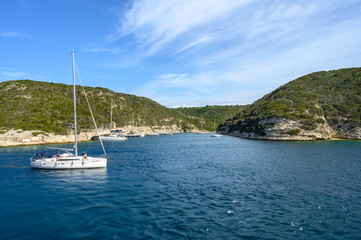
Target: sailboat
(132, 134)
(215, 134)
(202, 132)
(114, 134)
(67, 158)
(153, 133)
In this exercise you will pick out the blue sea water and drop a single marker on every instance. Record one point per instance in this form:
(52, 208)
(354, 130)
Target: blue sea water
(187, 186)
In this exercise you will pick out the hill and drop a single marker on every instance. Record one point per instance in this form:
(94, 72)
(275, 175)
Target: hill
(320, 105)
(48, 108)
(212, 115)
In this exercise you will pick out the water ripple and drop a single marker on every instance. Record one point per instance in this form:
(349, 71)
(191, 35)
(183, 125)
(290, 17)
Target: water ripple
(188, 186)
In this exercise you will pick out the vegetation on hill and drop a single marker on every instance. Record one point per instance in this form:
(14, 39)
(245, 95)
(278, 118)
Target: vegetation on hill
(332, 97)
(212, 115)
(48, 107)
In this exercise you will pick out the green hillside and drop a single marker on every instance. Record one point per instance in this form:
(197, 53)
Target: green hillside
(48, 107)
(212, 115)
(332, 98)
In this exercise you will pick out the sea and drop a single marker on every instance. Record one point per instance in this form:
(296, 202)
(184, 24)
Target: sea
(187, 186)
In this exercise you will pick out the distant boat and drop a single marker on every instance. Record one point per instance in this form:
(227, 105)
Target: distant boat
(167, 133)
(115, 135)
(153, 134)
(131, 134)
(64, 158)
(201, 131)
(216, 135)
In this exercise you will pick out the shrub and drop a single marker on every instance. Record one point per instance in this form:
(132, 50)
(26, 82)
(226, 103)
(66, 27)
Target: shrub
(293, 131)
(320, 120)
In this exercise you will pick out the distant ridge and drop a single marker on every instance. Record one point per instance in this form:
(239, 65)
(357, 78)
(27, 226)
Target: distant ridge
(321, 105)
(212, 115)
(48, 107)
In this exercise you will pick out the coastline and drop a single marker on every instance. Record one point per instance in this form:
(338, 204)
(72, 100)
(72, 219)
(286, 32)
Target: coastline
(290, 139)
(15, 138)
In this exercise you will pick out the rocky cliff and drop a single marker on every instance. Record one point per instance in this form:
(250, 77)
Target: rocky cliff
(321, 105)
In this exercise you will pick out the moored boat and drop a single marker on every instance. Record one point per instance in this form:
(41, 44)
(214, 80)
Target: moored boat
(55, 160)
(113, 137)
(67, 159)
(216, 135)
(131, 134)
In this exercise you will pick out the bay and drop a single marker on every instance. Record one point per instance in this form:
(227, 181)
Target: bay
(187, 186)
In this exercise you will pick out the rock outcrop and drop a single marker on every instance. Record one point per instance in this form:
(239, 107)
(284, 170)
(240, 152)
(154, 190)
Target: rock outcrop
(321, 105)
(288, 130)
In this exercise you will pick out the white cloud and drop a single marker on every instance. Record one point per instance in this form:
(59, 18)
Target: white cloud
(249, 79)
(240, 50)
(14, 75)
(9, 74)
(97, 50)
(11, 34)
(196, 42)
(155, 24)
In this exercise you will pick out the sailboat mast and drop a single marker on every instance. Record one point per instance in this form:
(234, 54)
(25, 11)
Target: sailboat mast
(111, 115)
(74, 97)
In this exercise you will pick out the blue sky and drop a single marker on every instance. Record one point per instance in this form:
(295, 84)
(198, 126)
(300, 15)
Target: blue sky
(179, 52)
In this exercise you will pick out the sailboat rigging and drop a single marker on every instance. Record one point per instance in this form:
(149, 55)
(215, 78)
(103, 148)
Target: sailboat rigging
(114, 134)
(63, 158)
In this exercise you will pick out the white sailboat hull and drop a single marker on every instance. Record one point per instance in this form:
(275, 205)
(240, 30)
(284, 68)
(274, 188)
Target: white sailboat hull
(113, 138)
(135, 135)
(69, 163)
(216, 135)
(153, 134)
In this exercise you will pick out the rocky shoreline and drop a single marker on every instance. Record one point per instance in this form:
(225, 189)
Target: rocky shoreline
(282, 129)
(25, 138)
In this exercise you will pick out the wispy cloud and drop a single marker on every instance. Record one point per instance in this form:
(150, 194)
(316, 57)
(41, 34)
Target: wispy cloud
(15, 75)
(240, 50)
(157, 23)
(249, 78)
(97, 50)
(200, 40)
(178, 25)
(12, 34)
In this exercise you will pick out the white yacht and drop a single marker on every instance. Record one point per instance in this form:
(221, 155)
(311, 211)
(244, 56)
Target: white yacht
(115, 135)
(153, 134)
(132, 134)
(216, 135)
(65, 160)
(69, 158)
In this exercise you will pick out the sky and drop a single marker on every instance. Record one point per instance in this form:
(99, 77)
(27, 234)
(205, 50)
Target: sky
(180, 53)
